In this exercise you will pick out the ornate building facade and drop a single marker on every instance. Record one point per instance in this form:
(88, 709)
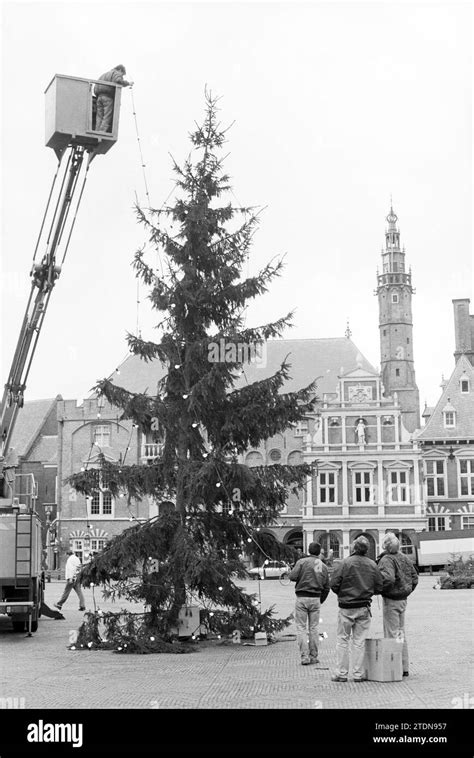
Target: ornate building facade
(369, 476)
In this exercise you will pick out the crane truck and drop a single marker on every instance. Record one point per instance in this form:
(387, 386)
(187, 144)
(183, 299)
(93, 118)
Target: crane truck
(71, 133)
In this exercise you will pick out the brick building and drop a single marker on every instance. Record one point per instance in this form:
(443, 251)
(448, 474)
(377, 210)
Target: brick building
(85, 431)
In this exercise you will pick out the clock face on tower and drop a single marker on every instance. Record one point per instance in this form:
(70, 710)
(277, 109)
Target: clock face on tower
(359, 393)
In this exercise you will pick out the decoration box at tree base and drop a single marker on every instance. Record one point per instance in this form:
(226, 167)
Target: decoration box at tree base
(383, 660)
(188, 622)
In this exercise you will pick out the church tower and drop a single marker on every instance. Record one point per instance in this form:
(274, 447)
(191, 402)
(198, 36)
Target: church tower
(394, 292)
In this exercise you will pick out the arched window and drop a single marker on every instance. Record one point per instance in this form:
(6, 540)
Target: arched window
(274, 455)
(295, 458)
(254, 459)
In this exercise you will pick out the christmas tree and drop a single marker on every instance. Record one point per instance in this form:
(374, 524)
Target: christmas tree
(204, 415)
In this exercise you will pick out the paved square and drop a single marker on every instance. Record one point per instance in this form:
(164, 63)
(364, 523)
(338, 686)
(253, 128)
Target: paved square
(46, 674)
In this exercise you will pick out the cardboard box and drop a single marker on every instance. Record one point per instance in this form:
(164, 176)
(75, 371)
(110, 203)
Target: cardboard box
(383, 660)
(188, 621)
(261, 638)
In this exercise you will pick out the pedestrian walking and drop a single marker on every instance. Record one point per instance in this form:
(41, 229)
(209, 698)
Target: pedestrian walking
(73, 566)
(105, 95)
(399, 580)
(355, 580)
(311, 589)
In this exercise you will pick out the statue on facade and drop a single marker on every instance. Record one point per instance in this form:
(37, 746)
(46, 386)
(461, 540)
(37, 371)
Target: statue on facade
(360, 431)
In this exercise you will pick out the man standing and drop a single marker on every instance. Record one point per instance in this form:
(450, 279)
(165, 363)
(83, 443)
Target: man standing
(354, 581)
(105, 97)
(399, 581)
(312, 588)
(73, 566)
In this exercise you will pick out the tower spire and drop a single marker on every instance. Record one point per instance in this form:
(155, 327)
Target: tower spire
(394, 291)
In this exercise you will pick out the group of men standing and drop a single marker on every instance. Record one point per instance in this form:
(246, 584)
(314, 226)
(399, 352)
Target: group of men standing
(355, 580)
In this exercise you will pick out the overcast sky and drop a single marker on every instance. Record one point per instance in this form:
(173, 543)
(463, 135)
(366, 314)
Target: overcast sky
(336, 107)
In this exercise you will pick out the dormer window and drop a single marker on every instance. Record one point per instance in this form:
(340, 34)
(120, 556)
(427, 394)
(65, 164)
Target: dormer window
(464, 385)
(449, 418)
(449, 415)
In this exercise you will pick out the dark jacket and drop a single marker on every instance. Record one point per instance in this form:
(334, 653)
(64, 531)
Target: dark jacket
(110, 76)
(355, 580)
(399, 575)
(311, 577)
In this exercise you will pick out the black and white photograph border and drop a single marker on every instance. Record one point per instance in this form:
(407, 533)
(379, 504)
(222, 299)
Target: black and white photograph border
(343, 140)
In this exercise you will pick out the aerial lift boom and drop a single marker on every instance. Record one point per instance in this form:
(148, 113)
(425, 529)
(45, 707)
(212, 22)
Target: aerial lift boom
(44, 276)
(71, 132)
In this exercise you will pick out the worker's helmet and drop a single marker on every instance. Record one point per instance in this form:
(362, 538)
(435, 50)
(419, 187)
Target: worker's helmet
(121, 68)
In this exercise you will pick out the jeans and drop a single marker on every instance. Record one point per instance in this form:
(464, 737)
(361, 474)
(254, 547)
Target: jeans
(76, 586)
(355, 621)
(307, 622)
(105, 110)
(394, 624)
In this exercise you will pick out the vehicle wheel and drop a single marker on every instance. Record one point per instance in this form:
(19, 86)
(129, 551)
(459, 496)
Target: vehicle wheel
(285, 578)
(18, 626)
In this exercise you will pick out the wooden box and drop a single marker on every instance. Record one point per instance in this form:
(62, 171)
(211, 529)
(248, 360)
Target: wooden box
(383, 660)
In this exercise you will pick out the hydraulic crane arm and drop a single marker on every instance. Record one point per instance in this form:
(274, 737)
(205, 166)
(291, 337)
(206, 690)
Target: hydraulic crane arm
(44, 275)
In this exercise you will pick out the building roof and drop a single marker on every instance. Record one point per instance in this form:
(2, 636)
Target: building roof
(452, 399)
(28, 424)
(323, 360)
(45, 449)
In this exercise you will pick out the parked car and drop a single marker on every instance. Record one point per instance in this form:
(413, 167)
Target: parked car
(270, 570)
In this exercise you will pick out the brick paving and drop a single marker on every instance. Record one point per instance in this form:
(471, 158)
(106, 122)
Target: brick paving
(43, 671)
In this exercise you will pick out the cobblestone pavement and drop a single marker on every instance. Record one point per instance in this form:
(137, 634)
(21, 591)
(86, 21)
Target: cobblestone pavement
(46, 674)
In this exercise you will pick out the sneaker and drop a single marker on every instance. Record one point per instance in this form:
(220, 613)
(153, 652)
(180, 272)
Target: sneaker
(305, 661)
(337, 678)
(360, 679)
(59, 607)
(82, 607)
(314, 660)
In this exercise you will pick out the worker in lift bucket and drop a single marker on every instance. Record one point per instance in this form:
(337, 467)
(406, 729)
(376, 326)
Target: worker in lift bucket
(105, 97)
